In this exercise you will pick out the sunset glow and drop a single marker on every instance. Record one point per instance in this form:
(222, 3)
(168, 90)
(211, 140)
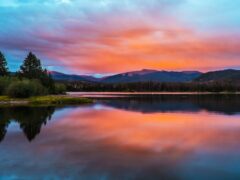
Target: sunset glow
(158, 132)
(110, 36)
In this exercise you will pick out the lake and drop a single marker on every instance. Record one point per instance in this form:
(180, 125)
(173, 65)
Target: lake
(125, 137)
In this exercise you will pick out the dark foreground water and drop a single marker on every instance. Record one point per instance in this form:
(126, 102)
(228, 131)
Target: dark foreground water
(147, 137)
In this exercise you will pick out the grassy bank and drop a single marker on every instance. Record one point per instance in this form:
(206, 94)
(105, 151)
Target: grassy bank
(46, 100)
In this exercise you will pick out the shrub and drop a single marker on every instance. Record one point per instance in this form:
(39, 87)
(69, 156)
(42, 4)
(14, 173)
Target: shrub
(4, 83)
(25, 89)
(59, 88)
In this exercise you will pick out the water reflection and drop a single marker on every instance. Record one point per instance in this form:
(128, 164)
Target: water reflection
(226, 104)
(183, 140)
(30, 119)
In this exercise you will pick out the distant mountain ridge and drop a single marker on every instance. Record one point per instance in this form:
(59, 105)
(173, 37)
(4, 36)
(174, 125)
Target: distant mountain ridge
(152, 75)
(146, 75)
(229, 74)
(71, 77)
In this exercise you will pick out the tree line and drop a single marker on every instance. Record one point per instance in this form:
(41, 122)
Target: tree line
(30, 80)
(217, 86)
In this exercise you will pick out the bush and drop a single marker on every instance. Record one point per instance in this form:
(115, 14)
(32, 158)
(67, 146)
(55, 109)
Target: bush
(59, 88)
(4, 83)
(25, 89)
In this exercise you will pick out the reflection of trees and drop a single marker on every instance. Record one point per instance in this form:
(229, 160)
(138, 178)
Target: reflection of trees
(4, 122)
(30, 119)
(226, 104)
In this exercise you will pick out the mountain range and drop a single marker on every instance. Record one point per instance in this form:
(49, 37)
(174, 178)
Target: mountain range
(225, 75)
(146, 75)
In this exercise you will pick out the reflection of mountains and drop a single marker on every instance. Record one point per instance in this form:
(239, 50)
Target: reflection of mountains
(226, 104)
(30, 119)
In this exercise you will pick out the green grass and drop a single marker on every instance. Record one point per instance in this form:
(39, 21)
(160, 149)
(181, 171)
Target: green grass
(47, 100)
(58, 100)
(9, 99)
(4, 98)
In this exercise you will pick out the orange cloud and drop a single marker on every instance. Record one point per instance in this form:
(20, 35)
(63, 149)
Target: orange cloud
(170, 49)
(125, 42)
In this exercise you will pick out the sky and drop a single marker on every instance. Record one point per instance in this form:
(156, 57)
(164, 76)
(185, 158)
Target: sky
(102, 37)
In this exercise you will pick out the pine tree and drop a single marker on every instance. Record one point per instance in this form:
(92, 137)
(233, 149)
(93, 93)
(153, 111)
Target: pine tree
(3, 65)
(32, 69)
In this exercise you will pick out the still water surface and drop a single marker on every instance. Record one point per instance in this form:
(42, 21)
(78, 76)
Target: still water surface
(126, 137)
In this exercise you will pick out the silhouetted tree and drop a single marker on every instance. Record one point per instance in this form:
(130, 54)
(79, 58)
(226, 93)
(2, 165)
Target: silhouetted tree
(3, 65)
(32, 69)
(216, 86)
(32, 123)
(30, 119)
(5, 117)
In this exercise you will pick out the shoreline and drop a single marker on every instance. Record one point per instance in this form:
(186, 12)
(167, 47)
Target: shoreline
(79, 98)
(121, 94)
(46, 100)
(83, 93)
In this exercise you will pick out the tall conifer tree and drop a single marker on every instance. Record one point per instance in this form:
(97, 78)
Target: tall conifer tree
(32, 69)
(3, 65)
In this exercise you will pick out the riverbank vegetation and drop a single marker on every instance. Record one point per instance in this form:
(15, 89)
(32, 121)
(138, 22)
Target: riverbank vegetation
(214, 87)
(30, 80)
